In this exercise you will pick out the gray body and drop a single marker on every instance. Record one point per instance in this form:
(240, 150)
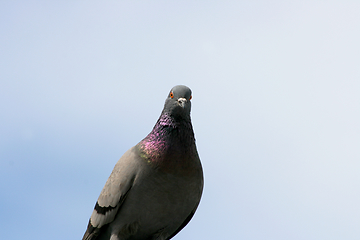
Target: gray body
(150, 196)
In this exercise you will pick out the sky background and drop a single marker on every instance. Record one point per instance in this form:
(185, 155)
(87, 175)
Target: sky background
(275, 110)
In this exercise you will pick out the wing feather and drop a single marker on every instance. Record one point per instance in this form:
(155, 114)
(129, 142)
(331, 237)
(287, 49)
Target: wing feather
(113, 194)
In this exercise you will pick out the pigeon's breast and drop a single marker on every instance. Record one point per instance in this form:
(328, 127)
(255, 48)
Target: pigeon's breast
(167, 200)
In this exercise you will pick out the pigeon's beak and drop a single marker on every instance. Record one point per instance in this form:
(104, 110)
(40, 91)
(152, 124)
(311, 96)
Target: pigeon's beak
(182, 102)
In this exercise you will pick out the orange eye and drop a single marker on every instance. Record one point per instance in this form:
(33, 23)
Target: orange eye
(171, 95)
(190, 98)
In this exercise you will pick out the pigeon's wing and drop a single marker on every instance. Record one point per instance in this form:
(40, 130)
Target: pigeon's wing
(113, 194)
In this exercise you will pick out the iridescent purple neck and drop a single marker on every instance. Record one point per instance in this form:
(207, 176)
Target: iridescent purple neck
(168, 135)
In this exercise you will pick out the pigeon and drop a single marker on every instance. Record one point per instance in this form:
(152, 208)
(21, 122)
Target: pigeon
(156, 186)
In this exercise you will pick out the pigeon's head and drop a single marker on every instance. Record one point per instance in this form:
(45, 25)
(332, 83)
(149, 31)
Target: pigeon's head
(178, 103)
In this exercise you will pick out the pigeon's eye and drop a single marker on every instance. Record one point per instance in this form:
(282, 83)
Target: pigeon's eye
(171, 95)
(190, 98)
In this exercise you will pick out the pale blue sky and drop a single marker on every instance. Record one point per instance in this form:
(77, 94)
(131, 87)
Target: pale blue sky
(276, 111)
